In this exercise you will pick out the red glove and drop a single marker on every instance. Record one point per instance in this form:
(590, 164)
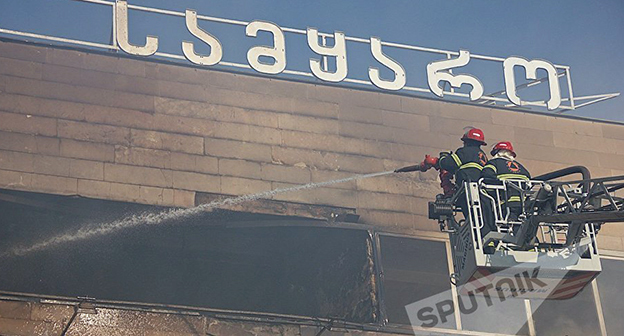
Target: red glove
(431, 161)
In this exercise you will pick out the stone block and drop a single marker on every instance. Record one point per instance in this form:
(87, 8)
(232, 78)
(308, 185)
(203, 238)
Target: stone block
(195, 163)
(610, 161)
(533, 136)
(183, 91)
(367, 131)
(282, 173)
(247, 133)
(87, 150)
(614, 131)
(196, 182)
(15, 180)
(93, 132)
(308, 124)
(125, 192)
(237, 150)
(240, 168)
(384, 201)
(55, 184)
(96, 189)
(84, 169)
(28, 143)
(421, 106)
(51, 165)
(390, 101)
(313, 108)
(583, 142)
(360, 114)
(318, 196)
(568, 125)
(15, 310)
(155, 196)
(16, 161)
(326, 160)
(241, 186)
(66, 57)
(520, 119)
(80, 94)
(48, 146)
(27, 124)
(21, 51)
(467, 113)
(79, 77)
(20, 68)
(136, 156)
(138, 175)
(139, 85)
(167, 141)
(43, 107)
(322, 142)
(184, 198)
(410, 121)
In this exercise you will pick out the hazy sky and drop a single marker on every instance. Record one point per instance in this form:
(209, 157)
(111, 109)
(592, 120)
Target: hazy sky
(586, 35)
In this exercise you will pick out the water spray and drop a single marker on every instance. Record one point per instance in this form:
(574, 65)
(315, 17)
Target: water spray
(101, 229)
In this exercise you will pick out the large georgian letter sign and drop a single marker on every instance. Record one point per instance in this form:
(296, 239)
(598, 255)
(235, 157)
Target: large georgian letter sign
(339, 50)
(121, 24)
(216, 51)
(531, 73)
(436, 72)
(373, 73)
(277, 52)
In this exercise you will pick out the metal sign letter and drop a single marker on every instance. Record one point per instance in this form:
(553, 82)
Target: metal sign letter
(531, 73)
(373, 73)
(277, 52)
(121, 24)
(436, 73)
(216, 51)
(339, 50)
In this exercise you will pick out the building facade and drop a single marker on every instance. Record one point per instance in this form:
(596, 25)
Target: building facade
(89, 137)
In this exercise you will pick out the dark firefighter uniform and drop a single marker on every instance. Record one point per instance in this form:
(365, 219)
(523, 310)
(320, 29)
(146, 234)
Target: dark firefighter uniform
(466, 163)
(500, 168)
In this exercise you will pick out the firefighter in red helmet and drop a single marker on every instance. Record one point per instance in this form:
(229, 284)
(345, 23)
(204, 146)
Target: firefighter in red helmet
(467, 161)
(504, 166)
(465, 164)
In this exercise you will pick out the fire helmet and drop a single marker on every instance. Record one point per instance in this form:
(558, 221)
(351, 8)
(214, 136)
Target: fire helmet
(474, 134)
(506, 145)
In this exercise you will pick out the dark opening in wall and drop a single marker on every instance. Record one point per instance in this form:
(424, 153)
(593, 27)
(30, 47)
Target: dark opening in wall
(224, 260)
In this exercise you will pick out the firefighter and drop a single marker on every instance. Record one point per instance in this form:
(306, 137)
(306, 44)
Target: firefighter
(504, 166)
(465, 164)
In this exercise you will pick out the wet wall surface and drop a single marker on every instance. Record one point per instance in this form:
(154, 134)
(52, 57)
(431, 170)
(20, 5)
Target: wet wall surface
(321, 272)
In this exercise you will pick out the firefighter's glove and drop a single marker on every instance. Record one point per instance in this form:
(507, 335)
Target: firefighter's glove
(431, 162)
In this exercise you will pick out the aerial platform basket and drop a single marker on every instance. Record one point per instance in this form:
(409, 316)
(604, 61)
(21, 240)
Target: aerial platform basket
(549, 251)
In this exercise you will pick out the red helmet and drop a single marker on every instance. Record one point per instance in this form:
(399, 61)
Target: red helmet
(506, 145)
(474, 134)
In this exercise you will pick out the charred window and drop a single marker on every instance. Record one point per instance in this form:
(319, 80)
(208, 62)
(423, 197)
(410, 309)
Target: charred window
(225, 260)
(413, 270)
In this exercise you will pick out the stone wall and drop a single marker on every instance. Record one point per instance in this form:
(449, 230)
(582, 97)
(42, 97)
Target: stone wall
(112, 127)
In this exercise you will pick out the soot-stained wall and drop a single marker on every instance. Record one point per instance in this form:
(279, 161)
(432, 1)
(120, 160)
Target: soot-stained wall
(110, 127)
